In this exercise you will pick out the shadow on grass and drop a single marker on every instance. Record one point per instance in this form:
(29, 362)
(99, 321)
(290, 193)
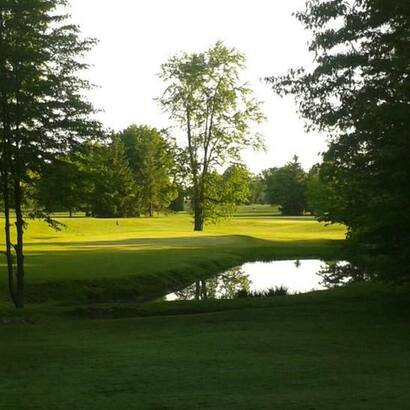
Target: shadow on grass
(274, 216)
(97, 274)
(174, 242)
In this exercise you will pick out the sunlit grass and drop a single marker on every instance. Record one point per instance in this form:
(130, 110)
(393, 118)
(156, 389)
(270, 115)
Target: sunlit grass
(165, 247)
(88, 230)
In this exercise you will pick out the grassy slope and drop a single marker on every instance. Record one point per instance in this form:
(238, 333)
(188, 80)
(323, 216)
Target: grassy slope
(151, 256)
(344, 349)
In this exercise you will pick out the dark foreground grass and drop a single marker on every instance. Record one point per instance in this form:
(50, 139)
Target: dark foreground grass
(341, 349)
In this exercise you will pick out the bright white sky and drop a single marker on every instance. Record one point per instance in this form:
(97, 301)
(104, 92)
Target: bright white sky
(137, 36)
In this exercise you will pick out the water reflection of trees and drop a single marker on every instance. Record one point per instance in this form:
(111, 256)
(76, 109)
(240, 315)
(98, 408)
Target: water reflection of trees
(225, 286)
(235, 283)
(339, 274)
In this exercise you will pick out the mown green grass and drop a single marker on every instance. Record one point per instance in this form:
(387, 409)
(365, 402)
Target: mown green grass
(343, 349)
(98, 259)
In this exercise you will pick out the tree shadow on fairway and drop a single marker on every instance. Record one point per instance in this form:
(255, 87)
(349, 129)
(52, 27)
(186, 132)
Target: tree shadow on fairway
(275, 217)
(178, 242)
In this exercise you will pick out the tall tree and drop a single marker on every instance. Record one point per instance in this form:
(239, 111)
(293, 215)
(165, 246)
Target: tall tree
(42, 108)
(359, 92)
(115, 193)
(206, 97)
(286, 187)
(152, 160)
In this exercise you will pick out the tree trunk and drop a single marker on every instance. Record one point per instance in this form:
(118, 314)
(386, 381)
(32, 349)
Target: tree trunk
(198, 204)
(20, 244)
(198, 219)
(6, 191)
(70, 212)
(9, 256)
(198, 212)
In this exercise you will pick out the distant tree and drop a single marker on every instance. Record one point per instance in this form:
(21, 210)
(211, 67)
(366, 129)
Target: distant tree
(286, 187)
(205, 97)
(62, 186)
(359, 92)
(115, 192)
(152, 160)
(258, 190)
(42, 107)
(181, 179)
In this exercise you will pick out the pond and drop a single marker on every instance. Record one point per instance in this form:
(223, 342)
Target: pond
(262, 278)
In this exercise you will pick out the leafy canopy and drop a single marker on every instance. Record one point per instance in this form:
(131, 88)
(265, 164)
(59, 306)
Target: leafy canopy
(205, 96)
(359, 93)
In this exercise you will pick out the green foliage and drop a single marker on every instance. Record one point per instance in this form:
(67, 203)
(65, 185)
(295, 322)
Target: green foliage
(134, 174)
(286, 187)
(224, 193)
(359, 92)
(320, 197)
(237, 182)
(205, 97)
(257, 194)
(43, 109)
(114, 193)
(62, 186)
(152, 161)
(42, 106)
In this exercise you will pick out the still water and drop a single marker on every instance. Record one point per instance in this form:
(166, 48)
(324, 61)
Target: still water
(296, 276)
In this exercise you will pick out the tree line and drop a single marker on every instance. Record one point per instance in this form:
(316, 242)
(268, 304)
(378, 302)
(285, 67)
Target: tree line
(140, 171)
(131, 173)
(137, 172)
(295, 191)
